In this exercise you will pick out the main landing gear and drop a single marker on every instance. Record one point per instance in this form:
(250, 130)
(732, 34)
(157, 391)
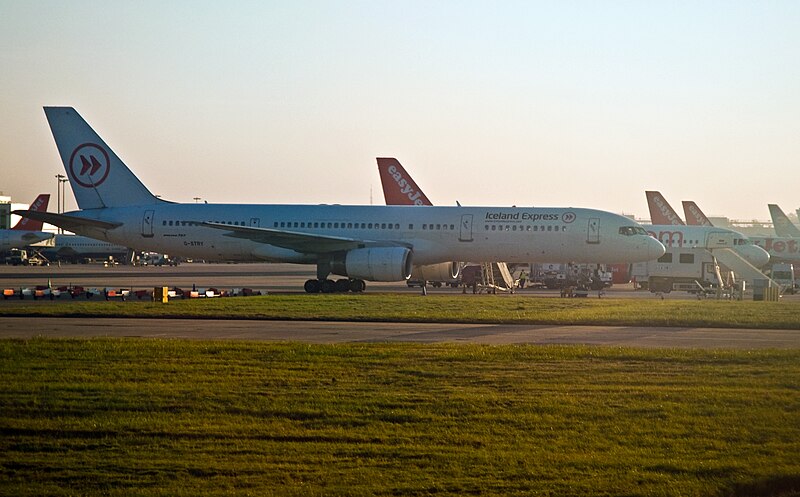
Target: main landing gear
(339, 286)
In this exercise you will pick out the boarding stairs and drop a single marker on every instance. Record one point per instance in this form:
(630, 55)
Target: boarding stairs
(743, 269)
(496, 276)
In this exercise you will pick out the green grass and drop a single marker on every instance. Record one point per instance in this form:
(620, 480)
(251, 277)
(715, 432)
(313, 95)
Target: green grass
(442, 308)
(157, 417)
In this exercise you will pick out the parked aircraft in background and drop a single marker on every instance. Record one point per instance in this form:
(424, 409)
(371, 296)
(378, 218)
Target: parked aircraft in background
(693, 250)
(780, 249)
(784, 227)
(372, 243)
(76, 248)
(26, 231)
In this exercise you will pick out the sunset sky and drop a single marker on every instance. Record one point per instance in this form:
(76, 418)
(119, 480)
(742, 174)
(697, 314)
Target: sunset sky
(573, 103)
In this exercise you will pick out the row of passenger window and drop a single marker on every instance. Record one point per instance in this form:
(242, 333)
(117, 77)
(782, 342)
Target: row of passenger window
(197, 223)
(370, 226)
(332, 225)
(528, 227)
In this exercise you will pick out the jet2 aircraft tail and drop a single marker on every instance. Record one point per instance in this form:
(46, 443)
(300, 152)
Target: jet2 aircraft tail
(97, 176)
(38, 205)
(783, 225)
(694, 216)
(660, 211)
(398, 186)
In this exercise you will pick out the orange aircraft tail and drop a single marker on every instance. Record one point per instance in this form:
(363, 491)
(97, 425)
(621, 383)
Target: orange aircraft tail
(694, 216)
(660, 211)
(398, 186)
(40, 205)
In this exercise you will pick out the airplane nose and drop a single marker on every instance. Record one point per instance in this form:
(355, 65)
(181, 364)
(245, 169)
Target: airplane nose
(756, 255)
(655, 249)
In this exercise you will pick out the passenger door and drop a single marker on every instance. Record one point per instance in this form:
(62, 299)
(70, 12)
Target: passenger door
(465, 233)
(147, 223)
(593, 232)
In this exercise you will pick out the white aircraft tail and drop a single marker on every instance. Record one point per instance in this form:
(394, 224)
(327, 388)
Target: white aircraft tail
(97, 176)
(783, 225)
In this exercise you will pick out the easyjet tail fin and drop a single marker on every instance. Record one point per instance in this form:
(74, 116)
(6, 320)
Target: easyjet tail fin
(97, 176)
(694, 216)
(783, 225)
(660, 211)
(38, 205)
(398, 186)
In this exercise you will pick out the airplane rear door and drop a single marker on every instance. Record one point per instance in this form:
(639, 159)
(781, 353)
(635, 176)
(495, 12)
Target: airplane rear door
(147, 224)
(593, 233)
(465, 234)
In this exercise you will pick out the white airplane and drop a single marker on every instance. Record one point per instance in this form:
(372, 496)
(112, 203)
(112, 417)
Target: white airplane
(675, 233)
(780, 248)
(372, 243)
(26, 231)
(77, 248)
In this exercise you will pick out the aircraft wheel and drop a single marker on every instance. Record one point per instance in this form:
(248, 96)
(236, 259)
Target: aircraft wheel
(312, 286)
(357, 286)
(343, 285)
(328, 286)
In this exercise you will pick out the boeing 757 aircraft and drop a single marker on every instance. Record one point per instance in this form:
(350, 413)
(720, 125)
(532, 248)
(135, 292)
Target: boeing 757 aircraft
(372, 243)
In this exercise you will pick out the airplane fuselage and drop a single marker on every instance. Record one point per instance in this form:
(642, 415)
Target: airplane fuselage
(434, 234)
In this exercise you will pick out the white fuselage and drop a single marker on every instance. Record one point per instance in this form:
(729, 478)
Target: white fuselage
(76, 247)
(19, 238)
(701, 238)
(434, 234)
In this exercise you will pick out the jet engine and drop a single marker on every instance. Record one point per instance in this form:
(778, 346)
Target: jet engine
(446, 271)
(374, 264)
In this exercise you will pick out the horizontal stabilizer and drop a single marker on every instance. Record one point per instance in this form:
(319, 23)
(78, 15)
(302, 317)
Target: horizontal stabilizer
(39, 205)
(69, 223)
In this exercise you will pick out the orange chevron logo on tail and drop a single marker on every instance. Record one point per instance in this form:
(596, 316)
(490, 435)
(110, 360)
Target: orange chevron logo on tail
(39, 205)
(694, 216)
(398, 187)
(661, 213)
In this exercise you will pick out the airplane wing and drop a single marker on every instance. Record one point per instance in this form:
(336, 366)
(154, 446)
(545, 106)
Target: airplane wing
(301, 242)
(70, 223)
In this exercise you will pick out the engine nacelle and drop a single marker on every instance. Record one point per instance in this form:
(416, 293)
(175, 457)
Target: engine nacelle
(446, 271)
(374, 264)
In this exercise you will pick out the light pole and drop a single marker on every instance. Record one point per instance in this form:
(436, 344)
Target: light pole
(59, 205)
(196, 199)
(62, 196)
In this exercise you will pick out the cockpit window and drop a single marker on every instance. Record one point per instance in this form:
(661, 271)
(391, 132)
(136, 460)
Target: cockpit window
(632, 230)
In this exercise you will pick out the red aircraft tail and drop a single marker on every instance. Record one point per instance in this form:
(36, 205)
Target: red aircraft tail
(398, 186)
(694, 216)
(39, 205)
(660, 211)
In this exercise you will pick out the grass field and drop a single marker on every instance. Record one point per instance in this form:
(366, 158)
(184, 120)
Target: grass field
(156, 417)
(442, 308)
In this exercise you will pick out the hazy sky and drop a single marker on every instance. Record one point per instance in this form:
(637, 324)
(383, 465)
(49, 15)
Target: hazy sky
(489, 103)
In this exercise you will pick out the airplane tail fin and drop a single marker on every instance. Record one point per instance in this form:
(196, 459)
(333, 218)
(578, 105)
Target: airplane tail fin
(38, 205)
(97, 176)
(783, 225)
(694, 216)
(398, 186)
(660, 211)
